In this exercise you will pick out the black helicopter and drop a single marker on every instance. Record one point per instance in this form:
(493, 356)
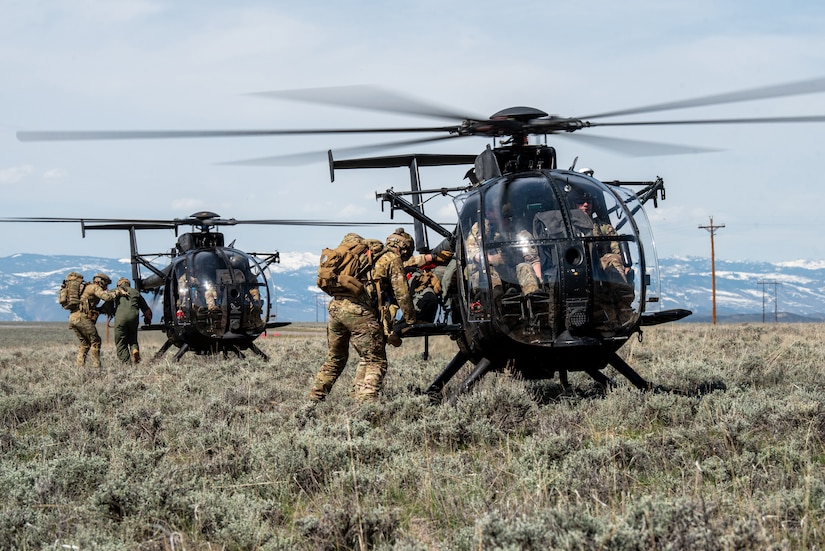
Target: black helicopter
(556, 269)
(216, 298)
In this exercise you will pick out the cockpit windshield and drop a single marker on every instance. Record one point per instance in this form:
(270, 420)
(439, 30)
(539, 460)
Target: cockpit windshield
(549, 253)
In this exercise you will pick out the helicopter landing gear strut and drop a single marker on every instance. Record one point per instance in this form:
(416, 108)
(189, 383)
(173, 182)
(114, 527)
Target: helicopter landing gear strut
(434, 390)
(185, 348)
(258, 351)
(622, 367)
(166, 346)
(484, 366)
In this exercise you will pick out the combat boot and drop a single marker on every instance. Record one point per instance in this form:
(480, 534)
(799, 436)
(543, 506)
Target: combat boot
(95, 358)
(136, 355)
(81, 358)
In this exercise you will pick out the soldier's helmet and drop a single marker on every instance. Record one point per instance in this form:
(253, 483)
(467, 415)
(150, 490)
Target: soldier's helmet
(399, 244)
(581, 197)
(352, 238)
(409, 238)
(375, 246)
(123, 282)
(102, 278)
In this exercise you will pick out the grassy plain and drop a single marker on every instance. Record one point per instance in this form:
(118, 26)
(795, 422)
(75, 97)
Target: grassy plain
(220, 454)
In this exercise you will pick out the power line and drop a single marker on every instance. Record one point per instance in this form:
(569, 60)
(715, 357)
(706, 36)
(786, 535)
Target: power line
(775, 302)
(712, 230)
(321, 304)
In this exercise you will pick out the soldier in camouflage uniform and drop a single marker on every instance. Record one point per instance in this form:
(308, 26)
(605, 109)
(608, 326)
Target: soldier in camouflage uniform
(608, 253)
(356, 319)
(613, 297)
(523, 261)
(429, 276)
(82, 321)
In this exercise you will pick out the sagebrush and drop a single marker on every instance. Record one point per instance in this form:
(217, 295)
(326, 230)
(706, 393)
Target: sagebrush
(212, 453)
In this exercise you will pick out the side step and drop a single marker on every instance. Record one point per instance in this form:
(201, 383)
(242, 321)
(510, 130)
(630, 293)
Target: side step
(665, 316)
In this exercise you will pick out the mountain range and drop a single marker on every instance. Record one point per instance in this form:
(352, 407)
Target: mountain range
(745, 290)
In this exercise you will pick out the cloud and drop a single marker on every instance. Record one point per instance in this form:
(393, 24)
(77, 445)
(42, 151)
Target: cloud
(15, 174)
(55, 174)
(187, 204)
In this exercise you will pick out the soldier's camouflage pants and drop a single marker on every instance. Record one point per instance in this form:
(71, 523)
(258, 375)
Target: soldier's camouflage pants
(352, 323)
(89, 338)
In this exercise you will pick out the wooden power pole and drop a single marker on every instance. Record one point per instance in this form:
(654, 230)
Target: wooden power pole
(712, 230)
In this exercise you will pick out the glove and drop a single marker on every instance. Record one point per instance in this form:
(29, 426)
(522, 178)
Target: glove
(394, 340)
(400, 327)
(443, 257)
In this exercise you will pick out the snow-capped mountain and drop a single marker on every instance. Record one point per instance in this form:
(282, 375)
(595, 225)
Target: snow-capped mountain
(29, 284)
(745, 287)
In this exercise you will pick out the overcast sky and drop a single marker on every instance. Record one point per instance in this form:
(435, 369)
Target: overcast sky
(158, 64)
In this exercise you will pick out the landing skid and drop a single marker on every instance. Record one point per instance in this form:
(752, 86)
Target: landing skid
(225, 350)
(485, 365)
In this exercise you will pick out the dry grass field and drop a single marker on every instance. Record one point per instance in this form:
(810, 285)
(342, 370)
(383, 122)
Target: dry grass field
(220, 454)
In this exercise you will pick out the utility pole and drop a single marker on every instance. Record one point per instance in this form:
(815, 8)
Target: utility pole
(775, 313)
(712, 230)
(321, 303)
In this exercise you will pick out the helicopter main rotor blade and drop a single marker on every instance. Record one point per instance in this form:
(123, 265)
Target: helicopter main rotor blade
(318, 223)
(797, 88)
(82, 135)
(371, 98)
(313, 156)
(635, 148)
(754, 120)
(118, 223)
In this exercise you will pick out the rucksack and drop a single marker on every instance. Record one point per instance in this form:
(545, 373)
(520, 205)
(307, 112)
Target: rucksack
(71, 291)
(341, 270)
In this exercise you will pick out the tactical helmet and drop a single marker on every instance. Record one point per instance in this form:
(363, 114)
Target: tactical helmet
(409, 238)
(352, 238)
(375, 246)
(106, 280)
(123, 282)
(581, 197)
(397, 242)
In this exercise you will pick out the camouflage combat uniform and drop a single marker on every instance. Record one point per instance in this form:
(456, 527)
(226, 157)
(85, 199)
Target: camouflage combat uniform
(425, 275)
(127, 311)
(607, 252)
(357, 320)
(82, 321)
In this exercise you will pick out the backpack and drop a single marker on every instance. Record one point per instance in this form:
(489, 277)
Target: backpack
(342, 269)
(71, 291)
